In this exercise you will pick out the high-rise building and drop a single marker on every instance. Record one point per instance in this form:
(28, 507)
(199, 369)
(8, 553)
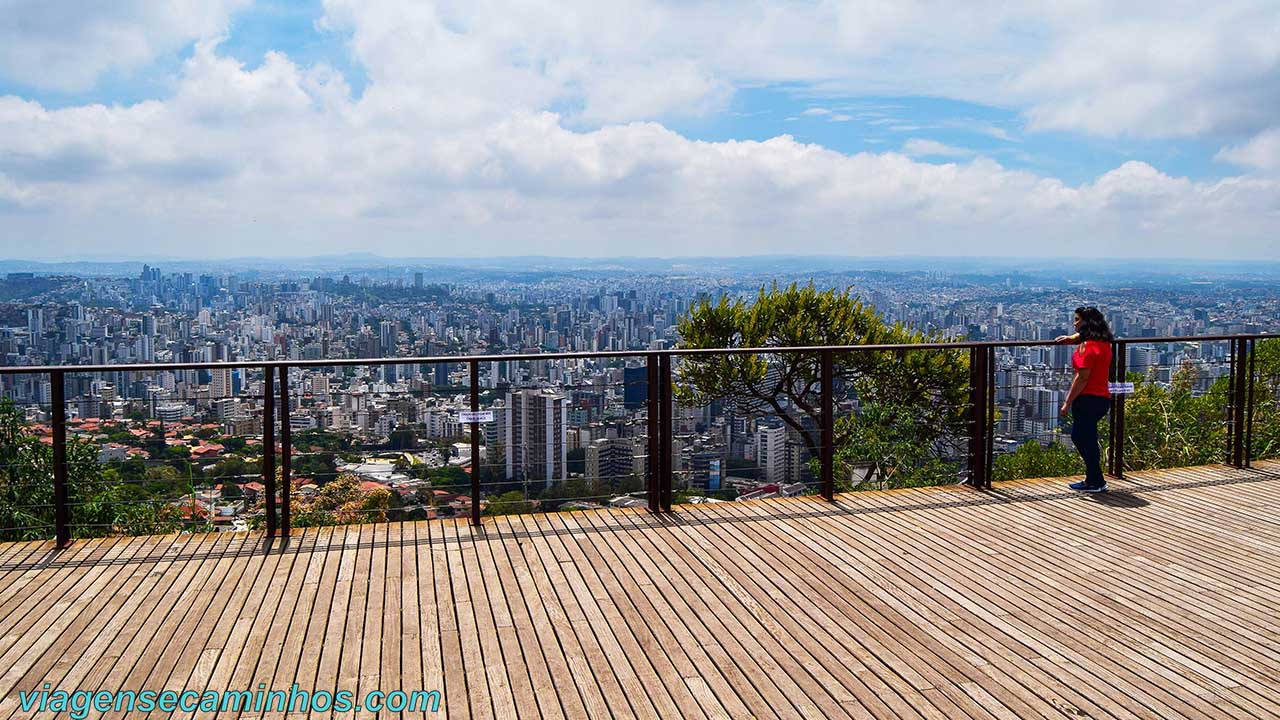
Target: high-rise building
(387, 337)
(771, 453)
(535, 436)
(612, 460)
(35, 322)
(635, 387)
(320, 387)
(220, 383)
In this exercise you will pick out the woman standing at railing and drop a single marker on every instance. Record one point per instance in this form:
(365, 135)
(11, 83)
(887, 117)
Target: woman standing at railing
(1090, 396)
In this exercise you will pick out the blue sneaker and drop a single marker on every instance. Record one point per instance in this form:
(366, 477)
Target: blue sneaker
(1081, 486)
(1095, 488)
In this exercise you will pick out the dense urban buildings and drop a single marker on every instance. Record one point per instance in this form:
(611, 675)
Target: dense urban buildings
(569, 430)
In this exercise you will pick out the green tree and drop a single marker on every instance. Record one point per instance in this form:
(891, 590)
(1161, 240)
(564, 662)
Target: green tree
(890, 438)
(1033, 460)
(402, 439)
(926, 388)
(1172, 426)
(509, 503)
(101, 503)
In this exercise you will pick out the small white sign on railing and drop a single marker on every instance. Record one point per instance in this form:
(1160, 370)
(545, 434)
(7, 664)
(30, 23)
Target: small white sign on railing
(1121, 388)
(475, 416)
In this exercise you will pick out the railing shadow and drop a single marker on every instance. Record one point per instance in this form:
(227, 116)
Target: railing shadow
(1125, 494)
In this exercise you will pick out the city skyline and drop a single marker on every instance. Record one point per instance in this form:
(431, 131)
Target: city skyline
(1142, 130)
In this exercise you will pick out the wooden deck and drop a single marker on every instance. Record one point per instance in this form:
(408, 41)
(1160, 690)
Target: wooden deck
(1160, 599)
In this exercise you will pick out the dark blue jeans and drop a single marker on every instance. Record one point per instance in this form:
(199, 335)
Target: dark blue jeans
(1086, 411)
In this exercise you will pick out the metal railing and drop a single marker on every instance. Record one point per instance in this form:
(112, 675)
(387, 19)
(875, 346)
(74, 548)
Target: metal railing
(659, 491)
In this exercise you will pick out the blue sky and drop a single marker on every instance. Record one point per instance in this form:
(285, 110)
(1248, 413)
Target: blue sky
(473, 123)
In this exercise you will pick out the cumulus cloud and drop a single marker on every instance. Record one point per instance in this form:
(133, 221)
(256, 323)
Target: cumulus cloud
(1146, 68)
(1178, 69)
(500, 128)
(281, 159)
(68, 45)
(1261, 152)
(1142, 68)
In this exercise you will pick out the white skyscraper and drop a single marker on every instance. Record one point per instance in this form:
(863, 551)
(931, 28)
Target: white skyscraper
(536, 436)
(771, 453)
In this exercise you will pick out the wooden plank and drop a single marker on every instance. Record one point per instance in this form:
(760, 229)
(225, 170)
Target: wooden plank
(262, 655)
(505, 674)
(357, 612)
(458, 702)
(335, 588)
(1155, 696)
(897, 616)
(373, 635)
(777, 682)
(428, 651)
(660, 673)
(31, 653)
(598, 693)
(559, 691)
(518, 669)
(877, 646)
(391, 672)
(122, 662)
(600, 618)
(923, 602)
(71, 667)
(176, 655)
(1156, 628)
(222, 649)
(300, 615)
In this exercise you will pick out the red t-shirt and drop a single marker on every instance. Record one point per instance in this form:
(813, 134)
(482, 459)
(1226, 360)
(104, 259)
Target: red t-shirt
(1095, 355)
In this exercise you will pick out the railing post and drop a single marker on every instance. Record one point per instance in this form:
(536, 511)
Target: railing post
(1248, 425)
(286, 451)
(269, 446)
(653, 482)
(979, 415)
(667, 429)
(475, 443)
(1239, 369)
(828, 426)
(61, 503)
(989, 427)
(1121, 364)
(1111, 417)
(1231, 398)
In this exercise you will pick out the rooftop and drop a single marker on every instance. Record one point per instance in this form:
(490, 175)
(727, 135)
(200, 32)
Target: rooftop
(1026, 600)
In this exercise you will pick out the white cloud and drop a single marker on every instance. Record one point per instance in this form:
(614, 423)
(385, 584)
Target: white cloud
(68, 45)
(920, 147)
(1173, 70)
(451, 147)
(1261, 152)
(281, 159)
(1145, 68)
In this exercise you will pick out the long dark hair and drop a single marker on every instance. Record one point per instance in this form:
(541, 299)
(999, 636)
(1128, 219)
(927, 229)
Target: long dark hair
(1092, 325)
